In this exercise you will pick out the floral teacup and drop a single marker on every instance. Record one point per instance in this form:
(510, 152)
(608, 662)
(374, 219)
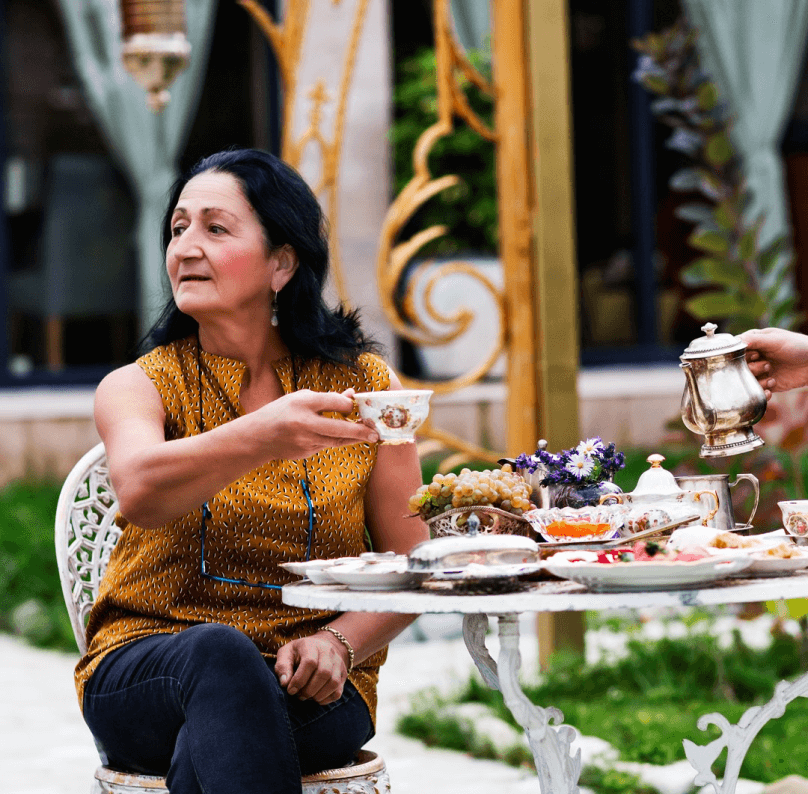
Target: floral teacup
(795, 516)
(396, 414)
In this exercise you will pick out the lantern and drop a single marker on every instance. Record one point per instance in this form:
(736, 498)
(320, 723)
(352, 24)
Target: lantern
(155, 49)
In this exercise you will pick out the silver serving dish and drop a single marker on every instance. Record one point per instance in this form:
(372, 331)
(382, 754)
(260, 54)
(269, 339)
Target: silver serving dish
(459, 551)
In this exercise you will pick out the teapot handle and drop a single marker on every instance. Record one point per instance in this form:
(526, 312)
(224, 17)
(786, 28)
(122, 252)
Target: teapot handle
(755, 487)
(697, 497)
(618, 497)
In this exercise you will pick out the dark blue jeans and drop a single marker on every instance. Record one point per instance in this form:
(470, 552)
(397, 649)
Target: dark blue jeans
(205, 709)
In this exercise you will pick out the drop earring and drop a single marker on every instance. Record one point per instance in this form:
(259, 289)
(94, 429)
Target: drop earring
(274, 318)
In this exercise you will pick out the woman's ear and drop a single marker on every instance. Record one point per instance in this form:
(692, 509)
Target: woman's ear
(286, 265)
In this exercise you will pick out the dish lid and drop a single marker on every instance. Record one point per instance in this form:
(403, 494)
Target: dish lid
(484, 548)
(656, 480)
(712, 344)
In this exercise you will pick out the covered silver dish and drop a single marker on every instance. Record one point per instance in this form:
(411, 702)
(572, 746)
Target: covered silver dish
(459, 551)
(722, 399)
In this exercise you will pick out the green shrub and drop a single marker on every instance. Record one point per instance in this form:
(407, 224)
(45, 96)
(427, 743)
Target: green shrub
(468, 209)
(31, 603)
(646, 703)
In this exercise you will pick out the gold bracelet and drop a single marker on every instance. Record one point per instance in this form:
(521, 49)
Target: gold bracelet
(348, 647)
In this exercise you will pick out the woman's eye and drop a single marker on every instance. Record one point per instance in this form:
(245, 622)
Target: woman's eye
(217, 229)
(176, 231)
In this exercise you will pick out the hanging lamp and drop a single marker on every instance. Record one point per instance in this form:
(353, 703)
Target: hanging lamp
(155, 48)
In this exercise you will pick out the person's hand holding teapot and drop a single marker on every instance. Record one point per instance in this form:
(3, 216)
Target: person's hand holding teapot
(777, 358)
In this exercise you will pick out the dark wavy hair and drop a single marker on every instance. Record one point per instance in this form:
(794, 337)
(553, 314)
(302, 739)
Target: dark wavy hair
(290, 215)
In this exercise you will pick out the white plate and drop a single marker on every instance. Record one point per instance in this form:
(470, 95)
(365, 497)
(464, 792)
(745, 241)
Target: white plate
(647, 575)
(763, 565)
(377, 577)
(319, 571)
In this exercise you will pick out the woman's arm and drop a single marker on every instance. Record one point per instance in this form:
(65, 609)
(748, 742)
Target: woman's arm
(316, 666)
(158, 480)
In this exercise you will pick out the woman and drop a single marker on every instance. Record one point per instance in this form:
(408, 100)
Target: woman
(230, 453)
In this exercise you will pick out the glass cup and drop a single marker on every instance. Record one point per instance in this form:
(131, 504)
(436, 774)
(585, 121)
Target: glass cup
(795, 516)
(395, 415)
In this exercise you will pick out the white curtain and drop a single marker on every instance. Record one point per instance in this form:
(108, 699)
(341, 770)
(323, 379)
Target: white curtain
(145, 144)
(753, 51)
(472, 20)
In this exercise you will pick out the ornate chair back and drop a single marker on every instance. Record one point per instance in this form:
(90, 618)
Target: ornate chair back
(85, 536)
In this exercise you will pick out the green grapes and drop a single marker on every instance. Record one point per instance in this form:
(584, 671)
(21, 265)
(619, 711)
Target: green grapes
(500, 488)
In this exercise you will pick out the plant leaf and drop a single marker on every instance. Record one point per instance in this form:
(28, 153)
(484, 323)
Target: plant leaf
(725, 215)
(709, 270)
(748, 245)
(711, 242)
(695, 213)
(685, 180)
(707, 96)
(721, 305)
(655, 83)
(710, 185)
(718, 150)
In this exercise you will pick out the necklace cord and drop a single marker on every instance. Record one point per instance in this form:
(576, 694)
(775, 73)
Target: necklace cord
(206, 512)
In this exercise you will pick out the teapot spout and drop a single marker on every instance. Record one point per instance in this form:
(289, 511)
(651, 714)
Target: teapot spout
(703, 413)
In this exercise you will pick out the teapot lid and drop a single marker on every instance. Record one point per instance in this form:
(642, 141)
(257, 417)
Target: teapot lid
(656, 480)
(712, 344)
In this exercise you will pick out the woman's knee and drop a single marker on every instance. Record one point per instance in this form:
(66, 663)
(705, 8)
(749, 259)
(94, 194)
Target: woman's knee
(223, 656)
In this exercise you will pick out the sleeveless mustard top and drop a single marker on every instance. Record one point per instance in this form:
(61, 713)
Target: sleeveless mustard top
(153, 582)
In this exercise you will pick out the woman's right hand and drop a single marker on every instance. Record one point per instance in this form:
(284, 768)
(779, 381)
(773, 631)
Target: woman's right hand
(777, 358)
(293, 426)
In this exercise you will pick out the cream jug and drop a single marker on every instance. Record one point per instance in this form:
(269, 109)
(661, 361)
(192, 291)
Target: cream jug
(722, 399)
(724, 518)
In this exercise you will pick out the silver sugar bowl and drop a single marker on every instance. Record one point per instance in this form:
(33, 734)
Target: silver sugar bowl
(722, 399)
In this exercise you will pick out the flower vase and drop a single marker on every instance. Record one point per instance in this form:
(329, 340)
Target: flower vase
(581, 495)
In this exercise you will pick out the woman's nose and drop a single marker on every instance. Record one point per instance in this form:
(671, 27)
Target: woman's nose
(187, 245)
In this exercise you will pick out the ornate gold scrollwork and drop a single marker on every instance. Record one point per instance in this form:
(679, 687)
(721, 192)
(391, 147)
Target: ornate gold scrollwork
(286, 41)
(394, 257)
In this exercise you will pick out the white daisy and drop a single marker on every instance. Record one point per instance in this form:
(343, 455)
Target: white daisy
(580, 465)
(589, 446)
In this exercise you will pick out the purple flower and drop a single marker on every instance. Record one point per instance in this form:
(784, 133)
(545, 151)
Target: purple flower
(590, 462)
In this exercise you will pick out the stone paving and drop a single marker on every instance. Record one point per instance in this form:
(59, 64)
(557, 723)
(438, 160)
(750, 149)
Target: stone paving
(45, 748)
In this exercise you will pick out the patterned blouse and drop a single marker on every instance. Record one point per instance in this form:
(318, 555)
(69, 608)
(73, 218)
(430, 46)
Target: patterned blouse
(153, 581)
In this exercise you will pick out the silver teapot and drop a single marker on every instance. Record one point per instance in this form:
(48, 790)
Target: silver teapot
(722, 399)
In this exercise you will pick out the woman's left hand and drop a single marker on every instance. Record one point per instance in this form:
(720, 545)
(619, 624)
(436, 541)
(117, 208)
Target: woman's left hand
(313, 667)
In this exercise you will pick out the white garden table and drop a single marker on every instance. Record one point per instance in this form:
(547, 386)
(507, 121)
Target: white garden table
(550, 740)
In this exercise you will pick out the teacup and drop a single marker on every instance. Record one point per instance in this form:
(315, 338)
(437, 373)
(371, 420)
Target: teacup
(795, 516)
(396, 414)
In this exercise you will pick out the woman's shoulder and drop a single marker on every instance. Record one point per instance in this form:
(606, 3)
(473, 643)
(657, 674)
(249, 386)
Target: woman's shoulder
(167, 356)
(125, 386)
(376, 369)
(367, 372)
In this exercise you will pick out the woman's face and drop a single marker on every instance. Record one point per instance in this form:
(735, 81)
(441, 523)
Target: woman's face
(218, 260)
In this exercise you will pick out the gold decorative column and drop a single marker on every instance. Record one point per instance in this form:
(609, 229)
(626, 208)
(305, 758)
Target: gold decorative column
(555, 271)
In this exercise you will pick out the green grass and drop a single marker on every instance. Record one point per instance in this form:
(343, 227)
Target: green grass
(645, 704)
(31, 603)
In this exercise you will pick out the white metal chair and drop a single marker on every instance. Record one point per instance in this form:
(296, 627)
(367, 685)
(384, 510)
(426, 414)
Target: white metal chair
(85, 537)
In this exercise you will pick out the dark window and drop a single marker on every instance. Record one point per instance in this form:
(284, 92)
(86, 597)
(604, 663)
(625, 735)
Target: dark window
(66, 203)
